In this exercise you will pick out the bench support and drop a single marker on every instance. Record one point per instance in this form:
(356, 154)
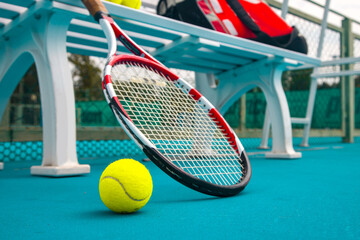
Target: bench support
(266, 75)
(46, 46)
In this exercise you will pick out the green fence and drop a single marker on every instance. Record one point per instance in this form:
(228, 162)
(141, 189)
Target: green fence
(94, 113)
(357, 108)
(327, 111)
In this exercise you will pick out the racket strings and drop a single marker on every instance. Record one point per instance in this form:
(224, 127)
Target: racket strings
(179, 128)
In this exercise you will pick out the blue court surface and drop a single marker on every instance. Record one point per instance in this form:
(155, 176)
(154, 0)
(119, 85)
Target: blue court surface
(315, 197)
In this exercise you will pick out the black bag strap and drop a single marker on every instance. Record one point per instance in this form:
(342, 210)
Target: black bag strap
(244, 16)
(167, 8)
(261, 36)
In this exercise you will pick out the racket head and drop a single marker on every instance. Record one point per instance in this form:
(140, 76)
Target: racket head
(176, 127)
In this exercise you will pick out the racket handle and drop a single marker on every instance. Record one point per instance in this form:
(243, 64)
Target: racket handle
(94, 6)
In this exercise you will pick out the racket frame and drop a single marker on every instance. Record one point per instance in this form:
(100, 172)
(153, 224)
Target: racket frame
(112, 32)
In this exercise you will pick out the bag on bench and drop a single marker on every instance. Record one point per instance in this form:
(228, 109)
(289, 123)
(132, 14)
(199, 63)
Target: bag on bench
(251, 19)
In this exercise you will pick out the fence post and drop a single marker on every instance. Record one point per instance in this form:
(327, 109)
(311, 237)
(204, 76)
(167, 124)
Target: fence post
(243, 113)
(347, 83)
(5, 121)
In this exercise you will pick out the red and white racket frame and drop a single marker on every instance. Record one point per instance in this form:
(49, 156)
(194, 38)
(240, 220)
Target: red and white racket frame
(113, 31)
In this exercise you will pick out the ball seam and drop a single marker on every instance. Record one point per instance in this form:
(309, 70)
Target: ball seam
(117, 180)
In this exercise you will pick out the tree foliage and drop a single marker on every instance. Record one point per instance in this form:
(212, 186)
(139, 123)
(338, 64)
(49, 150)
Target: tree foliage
(357, 81)
(27, 91)
(296, 80)
(87, 77)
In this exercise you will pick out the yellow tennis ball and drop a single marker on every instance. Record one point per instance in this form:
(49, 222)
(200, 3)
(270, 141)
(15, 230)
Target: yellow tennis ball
(129, 3)
(125, 186)
(132, 3)
(115, 1)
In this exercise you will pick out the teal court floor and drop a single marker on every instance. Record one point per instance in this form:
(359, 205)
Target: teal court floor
(315, 197)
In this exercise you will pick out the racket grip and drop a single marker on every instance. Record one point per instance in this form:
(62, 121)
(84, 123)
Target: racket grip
(94, 6)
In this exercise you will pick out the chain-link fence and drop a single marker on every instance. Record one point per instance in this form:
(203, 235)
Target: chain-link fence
(357, 83)
(21, 126)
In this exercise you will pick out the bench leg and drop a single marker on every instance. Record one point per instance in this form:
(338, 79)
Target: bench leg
(43, 39)
(268, 77)
(265, 131)
(57, 101)
(282, 144)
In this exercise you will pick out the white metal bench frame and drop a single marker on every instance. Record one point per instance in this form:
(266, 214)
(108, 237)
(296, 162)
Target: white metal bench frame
(44, 36)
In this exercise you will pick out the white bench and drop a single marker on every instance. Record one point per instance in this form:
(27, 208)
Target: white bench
(43, 31)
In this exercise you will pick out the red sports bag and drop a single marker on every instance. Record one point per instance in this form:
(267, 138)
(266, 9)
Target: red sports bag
(251, 19)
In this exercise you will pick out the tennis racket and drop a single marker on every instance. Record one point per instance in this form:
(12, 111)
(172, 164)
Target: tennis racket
(174, 125)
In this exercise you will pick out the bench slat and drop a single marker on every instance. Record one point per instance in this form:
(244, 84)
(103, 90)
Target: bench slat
(4, 13)
(80, 39)
(75, 49)
(22, 3)
(238, 52)
(189, 67)
(148, 30)
(219, 56)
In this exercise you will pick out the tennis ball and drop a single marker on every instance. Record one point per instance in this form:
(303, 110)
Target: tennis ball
(132, 3)
(115, 1)
(125, 186)
(128, 3)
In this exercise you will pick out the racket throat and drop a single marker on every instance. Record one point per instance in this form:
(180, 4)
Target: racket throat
(126, 42)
